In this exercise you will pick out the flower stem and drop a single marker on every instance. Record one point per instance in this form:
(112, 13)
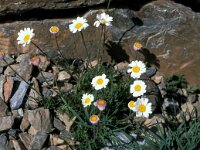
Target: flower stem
(39, 49)
(101, 37)
(108, 5)
(104, 37)
(60, 52)
(86, 50)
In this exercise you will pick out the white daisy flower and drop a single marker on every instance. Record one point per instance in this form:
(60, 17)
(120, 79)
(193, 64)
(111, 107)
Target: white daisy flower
(25, 36)
(79, 24)
(138, 88)
(100, 82)
(103, 19)
(94, 119)
(132, 105)
(143, 107)
(137, 46)
(137, 68)
(87, 99)
(54, 29)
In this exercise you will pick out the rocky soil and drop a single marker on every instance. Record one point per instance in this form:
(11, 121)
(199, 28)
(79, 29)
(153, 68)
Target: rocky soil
(26, 125)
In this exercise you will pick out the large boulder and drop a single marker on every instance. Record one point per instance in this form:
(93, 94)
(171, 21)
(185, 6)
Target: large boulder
(20, 6)
(169, 32)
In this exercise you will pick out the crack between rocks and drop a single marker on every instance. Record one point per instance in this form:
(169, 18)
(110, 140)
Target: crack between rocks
(38, 14)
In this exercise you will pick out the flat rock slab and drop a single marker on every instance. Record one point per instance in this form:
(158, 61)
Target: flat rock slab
(17, 99)
(166, 30)
(6, 123)
(40, 120)
(3, 109)
(26, 139)
(38, 140)
(19, 6)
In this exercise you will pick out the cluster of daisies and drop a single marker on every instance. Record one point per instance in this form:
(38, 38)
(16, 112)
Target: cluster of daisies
(79, 24)
(98, 83)
(142, 107)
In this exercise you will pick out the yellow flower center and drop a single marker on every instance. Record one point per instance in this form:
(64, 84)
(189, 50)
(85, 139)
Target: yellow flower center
(87, 100)
(54, 29)
(100, 81)
(101, 102)
(136, 69)
(131, 104)
(104, 21)
(142, 108)
(27, 38)
(137, 88)
(138, 45)
(94, 118)
(78, 25)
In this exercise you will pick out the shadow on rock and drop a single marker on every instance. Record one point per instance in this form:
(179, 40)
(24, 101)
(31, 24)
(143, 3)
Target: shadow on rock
(116, 52)
(150, 58)
(137, 22)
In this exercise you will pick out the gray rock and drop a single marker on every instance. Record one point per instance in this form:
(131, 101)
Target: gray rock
(3, 109)
(26, 139)
(121, 138)
(18, 145)
(9, 7)
(151, 72)
(25, 122)
(44, 63)
(38, 141)
(40, 120)
(53, 148)
(34, 95)
(6, 123)
(171, 106)
(17, 99)
(153, 93)
(46, 92)
(46, 77)
(2, 81)
(192, 98)
(23, 68)
(162, 88)
(63, 75)
(1, 70)
(13, 133)
(8, 60)
(58, 124)
(3, 141)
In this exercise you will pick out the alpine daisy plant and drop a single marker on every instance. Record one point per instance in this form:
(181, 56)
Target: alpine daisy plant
(100, 82)
(132, 105)
(100, 104)
(87, 99)
(103, 19)
(78, 25)
(54, 29)
(25, 36)
(143, 107)
(137, 68)
(137, 46)
(138, 88)
(94, 119)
